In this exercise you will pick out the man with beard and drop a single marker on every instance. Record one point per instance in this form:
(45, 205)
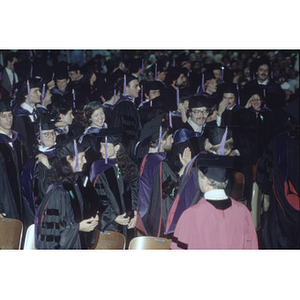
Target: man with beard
(176, 79)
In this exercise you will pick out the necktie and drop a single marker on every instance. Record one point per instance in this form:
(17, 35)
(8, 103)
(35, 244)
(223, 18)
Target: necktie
(34, 114)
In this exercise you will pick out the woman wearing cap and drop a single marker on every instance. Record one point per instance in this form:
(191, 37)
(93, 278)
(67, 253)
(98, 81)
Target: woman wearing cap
(261, 121)
(115, 180)
(59, 219)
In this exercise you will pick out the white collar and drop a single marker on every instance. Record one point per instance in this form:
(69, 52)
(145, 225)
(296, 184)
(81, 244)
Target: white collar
(216, 195)
(45, 149)
(9, 71)
(195, 126)
(27, 107)
(264, 82)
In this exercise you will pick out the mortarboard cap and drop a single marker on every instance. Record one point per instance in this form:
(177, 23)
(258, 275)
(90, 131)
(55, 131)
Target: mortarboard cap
(228, 87)
(4, 106)
(198, 101)
(263, 60)
(150, 130)
(74, 67)
(66, 147)
(183, 134)
(61, 73)
(214, 166)
(209, 74)
(216, 133)
(114, 135)
(45, 122)
(185, 94)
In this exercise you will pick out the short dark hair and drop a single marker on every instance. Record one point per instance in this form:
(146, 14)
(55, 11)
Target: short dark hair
(60, 108)
(9, 57)
(90, 108)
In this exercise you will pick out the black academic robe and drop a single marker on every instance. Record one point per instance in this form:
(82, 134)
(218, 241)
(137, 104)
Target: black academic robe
(278, 176)
(34, 185)
(25, 127)
(109, 186)
(125, 115)
(12, 160)
(275, 96)
(158, 184)
(56, 227)
(169, 95)
(114, 195)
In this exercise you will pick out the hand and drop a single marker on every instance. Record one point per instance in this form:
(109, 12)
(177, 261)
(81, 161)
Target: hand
(42, 158)
(51, 84)
(212, 117)
(249, 102)
(132, 223)
(89, 224)
(222, 106)
(186, 156)
(120, 219)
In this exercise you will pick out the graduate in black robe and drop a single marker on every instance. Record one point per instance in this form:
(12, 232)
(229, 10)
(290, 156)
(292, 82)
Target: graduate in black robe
(158, 182)
(33, 179)
(278, 176)
(59, 221)
(12, 159)
(27, 110)
(115, 179)
(125, 114)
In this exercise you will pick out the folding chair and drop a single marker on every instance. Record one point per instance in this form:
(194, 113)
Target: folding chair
(109, 240)
(10, 233)
(149, 243)
(29, 243)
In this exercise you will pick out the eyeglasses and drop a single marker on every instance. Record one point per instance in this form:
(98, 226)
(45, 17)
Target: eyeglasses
(200, 111)
(256, 99)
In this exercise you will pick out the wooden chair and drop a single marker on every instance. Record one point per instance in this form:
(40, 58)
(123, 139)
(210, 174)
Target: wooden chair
(109, 240)
(149, 243)
(10, 233)
(29, 243)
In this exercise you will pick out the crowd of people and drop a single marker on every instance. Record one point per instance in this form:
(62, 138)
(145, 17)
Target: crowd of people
(149, 142)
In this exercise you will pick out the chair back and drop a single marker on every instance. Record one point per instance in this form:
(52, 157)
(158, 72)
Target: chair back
(238, 186)
(149, 243)
(10, 233)
(109, 240)
(29, 243)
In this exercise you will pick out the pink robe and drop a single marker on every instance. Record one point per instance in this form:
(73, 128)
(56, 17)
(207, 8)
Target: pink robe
(202, 226)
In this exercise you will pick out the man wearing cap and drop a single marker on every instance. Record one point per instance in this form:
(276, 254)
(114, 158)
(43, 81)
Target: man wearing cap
(28, 111)
(125, 113)
(59, 86)
(216, 221)
(152, 102)
(33, 178)
(12, 160)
